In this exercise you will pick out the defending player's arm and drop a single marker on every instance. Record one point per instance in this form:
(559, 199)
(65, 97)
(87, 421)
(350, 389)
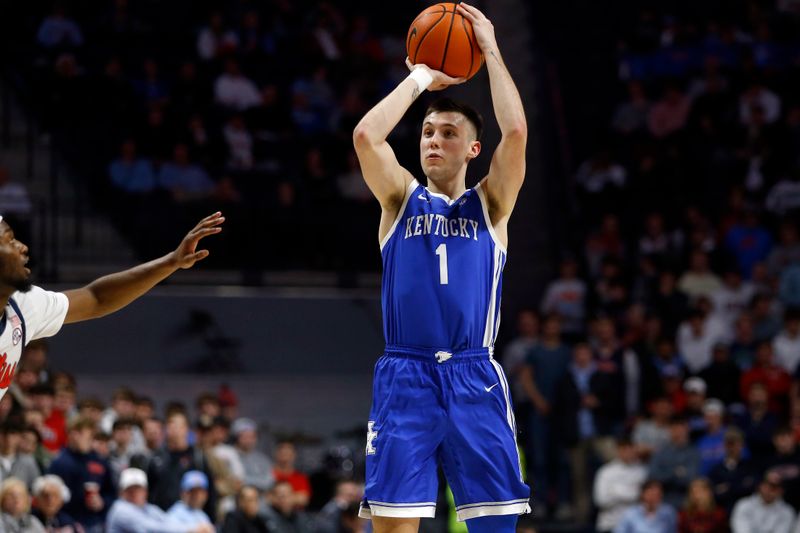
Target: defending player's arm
(507, 169)
(113, 292)
(385, 177)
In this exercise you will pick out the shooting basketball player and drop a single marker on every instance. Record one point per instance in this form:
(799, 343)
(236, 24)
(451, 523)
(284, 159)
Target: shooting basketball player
(29, 312)
(438, 395)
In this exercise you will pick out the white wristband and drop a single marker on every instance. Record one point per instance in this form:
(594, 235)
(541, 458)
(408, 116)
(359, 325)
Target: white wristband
(422, 77)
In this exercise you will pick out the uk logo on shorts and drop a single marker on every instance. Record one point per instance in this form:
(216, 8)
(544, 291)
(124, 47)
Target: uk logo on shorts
(371, 436)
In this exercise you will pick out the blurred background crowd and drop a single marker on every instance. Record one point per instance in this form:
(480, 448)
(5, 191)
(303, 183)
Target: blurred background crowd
(656, 372)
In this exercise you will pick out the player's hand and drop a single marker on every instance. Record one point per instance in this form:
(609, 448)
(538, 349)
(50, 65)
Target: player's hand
(187, 254)
(440, 79)
(482, 26)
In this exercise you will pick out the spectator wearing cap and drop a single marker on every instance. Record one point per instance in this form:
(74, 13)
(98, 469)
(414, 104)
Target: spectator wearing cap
(677, 463)
(735, 476)
(722, 375)
(695, 389)
(15, 504)
(87, 476)
(12, 462)
(617, 485)
(194, 495)
(245, 518)
(285, 470)
(765, 511)
(132, 514)
(651, 514)
(168, 464)
(258, 469)
(710, 445)
(49, 496)
(775, 378)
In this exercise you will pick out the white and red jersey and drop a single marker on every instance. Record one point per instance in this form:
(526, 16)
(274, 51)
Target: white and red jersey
(29, 315)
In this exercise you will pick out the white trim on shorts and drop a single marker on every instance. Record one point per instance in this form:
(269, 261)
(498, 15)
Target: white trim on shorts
(476, 510)
(397, 510)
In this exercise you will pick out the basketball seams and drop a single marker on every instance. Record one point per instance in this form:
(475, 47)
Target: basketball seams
(444, 47)
(471, 49)
(430, 28)
(447, 40)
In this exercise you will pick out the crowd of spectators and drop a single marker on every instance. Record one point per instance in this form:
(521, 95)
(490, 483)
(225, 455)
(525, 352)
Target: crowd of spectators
(71, 464)
(659, 377)
(246, 107)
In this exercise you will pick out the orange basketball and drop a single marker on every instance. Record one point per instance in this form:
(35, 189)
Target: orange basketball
(444, 40)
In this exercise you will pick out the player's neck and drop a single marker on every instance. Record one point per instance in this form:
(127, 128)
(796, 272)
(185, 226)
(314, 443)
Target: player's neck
(453, 188)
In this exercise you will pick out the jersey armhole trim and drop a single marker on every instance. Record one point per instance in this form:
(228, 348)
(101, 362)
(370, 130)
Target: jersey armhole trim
(489, 226)
(411, 188)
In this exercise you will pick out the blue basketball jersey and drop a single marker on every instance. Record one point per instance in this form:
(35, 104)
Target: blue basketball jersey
(442, 272)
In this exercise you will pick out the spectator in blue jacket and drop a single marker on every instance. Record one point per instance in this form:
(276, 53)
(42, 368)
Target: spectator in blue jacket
(87, 476)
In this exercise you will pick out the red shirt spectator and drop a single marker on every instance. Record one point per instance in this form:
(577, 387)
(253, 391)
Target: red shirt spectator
(54, 426)
(285, 457)
(775, 378)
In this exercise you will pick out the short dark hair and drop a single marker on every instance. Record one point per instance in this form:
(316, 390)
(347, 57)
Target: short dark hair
(444, 104)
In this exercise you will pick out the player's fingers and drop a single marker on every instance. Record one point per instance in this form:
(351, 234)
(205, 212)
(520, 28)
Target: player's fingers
(199, 233)
(207, 223)
(465, 13)
(212, 216)
(198, 255)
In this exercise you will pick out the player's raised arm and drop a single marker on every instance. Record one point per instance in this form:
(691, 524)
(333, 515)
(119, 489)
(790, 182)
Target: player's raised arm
(507, 170)
(113, 292)
(385, 177)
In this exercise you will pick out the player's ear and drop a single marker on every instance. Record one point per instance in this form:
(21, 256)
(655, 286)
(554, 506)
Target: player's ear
(474, 149)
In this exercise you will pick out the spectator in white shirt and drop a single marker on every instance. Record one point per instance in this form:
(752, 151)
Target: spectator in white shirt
(566, 296)
(732, 298)
(787, 343)
(757, 95)
(214, 40)
(617, 485)
(765, 511)
(235, 91)
(696, 339)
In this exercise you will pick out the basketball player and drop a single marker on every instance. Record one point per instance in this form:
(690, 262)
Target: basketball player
(438, 395)
(29, 312)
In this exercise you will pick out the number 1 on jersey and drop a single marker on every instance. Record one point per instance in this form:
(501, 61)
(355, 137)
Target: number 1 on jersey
(441, 251)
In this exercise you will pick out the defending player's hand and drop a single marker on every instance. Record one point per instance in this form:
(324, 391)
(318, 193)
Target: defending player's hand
(440, 79)
(187, 254)
(482, 26)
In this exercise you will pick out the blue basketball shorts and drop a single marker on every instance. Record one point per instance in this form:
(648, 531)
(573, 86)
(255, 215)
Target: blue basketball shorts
(434, 408)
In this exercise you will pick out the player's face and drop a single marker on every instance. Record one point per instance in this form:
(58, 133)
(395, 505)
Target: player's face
(13, 257)
(447, 144)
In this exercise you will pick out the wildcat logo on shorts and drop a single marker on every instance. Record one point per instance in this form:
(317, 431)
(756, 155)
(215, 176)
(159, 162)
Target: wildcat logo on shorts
(371, 436)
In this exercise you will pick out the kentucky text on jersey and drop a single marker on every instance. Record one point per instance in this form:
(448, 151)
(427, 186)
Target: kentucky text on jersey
(440, 225)
(442, 272)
